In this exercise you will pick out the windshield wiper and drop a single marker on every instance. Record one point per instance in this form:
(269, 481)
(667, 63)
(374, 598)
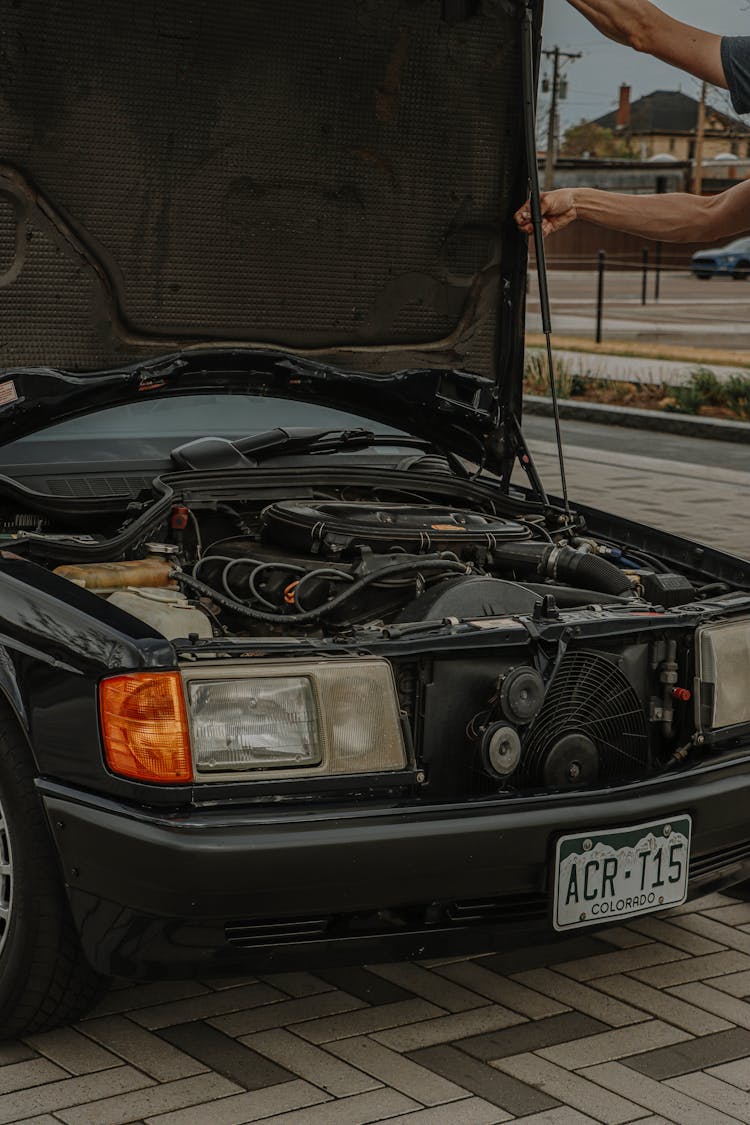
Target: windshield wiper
(247, 452)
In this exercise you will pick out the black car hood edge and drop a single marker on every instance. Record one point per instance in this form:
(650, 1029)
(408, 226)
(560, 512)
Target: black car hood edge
(456, 411)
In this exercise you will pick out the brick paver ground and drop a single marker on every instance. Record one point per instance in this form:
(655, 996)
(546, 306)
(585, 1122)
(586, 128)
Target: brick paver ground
(645, 1023)
(710, 504)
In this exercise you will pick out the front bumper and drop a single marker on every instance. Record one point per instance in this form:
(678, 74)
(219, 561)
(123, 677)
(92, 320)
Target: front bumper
(156, 895)
(713, 266)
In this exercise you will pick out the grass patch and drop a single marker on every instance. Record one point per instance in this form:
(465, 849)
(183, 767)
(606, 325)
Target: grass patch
(704, 395)
(536, 376)
(719, 357)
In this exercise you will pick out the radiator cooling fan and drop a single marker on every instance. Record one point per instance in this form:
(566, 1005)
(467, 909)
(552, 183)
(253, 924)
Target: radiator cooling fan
(590, 729)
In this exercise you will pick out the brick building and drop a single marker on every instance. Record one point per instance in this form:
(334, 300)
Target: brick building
(665, 124)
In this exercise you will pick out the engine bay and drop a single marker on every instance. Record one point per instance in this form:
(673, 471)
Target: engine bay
(586, 687)
(327, 562)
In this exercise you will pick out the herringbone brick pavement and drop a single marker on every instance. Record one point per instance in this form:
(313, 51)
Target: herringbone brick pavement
(646, 1023)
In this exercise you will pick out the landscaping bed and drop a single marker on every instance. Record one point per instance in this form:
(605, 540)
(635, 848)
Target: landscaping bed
(703, 395)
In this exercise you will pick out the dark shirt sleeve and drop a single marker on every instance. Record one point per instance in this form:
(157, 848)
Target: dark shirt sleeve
(735, 55)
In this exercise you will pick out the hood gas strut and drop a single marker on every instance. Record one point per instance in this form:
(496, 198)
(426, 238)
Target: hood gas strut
(529, 120)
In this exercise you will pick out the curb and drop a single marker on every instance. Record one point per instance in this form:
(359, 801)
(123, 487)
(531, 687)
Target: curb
(715, 429)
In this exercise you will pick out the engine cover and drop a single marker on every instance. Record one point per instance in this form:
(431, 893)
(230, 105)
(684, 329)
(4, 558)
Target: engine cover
(335, 528)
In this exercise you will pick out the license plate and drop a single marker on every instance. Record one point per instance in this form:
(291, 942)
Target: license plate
(613, 875)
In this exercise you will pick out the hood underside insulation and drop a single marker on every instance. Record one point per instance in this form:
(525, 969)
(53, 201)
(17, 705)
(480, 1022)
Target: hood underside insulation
(336, 179)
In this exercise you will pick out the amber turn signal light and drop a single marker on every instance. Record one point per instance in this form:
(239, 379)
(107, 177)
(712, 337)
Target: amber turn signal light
(145, 728)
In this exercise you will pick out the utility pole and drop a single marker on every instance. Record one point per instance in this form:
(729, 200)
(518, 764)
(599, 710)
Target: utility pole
(700, 138)
(558, 93)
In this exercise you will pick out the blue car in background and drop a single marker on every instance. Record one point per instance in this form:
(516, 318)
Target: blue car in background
(732, 260)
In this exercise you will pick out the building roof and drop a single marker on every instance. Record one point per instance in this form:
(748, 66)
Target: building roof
(669, 111)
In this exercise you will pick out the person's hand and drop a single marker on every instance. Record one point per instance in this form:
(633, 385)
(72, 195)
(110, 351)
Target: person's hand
(558, 211)
(620, 20)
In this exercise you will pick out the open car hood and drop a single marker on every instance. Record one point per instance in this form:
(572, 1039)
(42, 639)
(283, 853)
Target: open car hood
(336, 181)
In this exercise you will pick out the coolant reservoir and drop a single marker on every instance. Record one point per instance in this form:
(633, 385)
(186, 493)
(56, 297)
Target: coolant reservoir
(167, 611)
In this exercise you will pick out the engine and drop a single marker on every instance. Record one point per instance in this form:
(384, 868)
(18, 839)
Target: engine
(327, 565)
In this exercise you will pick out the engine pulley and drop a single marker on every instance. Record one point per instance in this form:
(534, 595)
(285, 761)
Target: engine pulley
(501, 750)
(522, 695)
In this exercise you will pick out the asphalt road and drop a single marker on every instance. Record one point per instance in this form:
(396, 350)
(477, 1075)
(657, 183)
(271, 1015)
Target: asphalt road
(712, 313)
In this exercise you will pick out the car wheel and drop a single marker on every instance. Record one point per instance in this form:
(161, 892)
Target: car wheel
(702, 275)
(741, 271)
(44, 977)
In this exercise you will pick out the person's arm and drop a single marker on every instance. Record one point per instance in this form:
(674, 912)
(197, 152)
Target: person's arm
(666, 218)
(643, 26)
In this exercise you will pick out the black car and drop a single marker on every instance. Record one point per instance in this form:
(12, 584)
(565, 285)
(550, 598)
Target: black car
(299, 660)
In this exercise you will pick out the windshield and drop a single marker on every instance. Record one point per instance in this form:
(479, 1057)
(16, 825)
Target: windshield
(739, 246)
(151, 429)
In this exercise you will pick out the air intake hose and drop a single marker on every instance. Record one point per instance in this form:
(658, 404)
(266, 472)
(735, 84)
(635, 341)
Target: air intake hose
(564, 565)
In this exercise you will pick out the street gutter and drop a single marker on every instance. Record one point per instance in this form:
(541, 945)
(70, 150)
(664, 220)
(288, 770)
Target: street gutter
(687, 425)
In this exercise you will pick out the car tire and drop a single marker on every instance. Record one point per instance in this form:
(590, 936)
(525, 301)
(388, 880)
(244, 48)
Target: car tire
(702, 275)
(741, 271)
(44, 977)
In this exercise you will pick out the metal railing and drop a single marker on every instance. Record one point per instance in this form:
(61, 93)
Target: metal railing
(648, 263)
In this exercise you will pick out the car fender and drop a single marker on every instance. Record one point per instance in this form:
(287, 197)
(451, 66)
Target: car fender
(47, 618)
(57, 642)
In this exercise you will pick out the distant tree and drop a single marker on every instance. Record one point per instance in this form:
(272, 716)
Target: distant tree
(589, 138)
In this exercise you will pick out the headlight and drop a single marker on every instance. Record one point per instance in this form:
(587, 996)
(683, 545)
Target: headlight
(723, 656)
(292, 718)
(251, 724)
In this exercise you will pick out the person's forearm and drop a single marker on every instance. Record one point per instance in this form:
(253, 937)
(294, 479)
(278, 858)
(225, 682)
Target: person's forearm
(643, 26)
(667, 218)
